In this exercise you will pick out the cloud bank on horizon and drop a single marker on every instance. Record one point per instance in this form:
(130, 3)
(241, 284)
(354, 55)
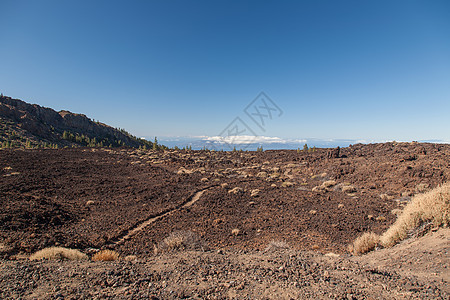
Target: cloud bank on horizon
(274, 143)
(249, 139)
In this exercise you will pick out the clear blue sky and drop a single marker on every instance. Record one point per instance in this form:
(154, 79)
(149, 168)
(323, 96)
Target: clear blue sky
(374, 70)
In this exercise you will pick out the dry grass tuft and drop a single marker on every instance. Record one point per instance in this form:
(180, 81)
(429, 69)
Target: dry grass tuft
(262, 174)
(235, 232)
(181, 240)
(275, 246)
(365, 243)
(432, 206)
(348, 189)
(236, 190)
(130, 258)
(255, 193)
(319, 189)
(329, 183)
(287, 184)
(105, 255)
(58, 253)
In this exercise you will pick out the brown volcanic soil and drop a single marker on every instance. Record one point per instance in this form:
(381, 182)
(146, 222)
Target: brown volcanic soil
(286, 274)
(91, 198)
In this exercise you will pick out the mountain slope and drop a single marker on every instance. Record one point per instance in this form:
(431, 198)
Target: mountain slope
(30, 125)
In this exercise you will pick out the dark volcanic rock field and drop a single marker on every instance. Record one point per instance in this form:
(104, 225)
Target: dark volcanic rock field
(85, 198)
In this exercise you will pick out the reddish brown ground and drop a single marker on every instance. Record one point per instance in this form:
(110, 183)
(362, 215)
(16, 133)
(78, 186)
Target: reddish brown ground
(90, 198)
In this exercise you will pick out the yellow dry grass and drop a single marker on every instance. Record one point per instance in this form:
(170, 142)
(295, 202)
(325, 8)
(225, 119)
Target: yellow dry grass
(329, 183)
(105, 255)
(365, 243)
(181, 240)
(276, 245)
(235, 232)
(58, 253)
(432, 206)
(348, 189)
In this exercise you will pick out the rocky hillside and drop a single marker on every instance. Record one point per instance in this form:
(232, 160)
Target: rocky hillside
(30, 125)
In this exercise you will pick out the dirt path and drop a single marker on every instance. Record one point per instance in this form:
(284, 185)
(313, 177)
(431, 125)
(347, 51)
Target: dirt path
(128, 234)
(425, 258)
(278, 274)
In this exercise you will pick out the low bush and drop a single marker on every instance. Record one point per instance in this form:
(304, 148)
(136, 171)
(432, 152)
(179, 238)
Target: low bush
(329, 183)
(430, 209)
(275, 246)
(58, 253)
(365, 243)
(348, 189)
(105, 255)
(236, 232)
(181, 240)
(432, 206)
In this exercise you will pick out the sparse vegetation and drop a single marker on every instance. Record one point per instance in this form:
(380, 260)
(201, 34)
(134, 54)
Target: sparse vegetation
(59, 253)
(325, 186)
(275, 246)
(235, 231)
(105, 255)
(255, 193)
(432, 206)
(142, 192)
(236, 190)
(181, 240)
(329, 183)
(287, 184)
(365, 243)
(54, 136)
(348, 189)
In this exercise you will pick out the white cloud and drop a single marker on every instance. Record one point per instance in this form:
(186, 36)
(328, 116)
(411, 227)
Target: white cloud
(249, 139)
